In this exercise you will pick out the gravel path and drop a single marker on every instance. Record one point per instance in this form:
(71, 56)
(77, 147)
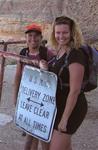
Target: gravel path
(86, 137)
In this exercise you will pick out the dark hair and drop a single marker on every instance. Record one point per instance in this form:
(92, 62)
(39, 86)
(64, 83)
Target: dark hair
(64, 20)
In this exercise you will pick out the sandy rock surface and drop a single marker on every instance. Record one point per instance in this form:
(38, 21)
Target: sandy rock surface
(86, 137)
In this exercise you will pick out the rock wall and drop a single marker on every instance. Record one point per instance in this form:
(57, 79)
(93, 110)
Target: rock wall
(15, 14)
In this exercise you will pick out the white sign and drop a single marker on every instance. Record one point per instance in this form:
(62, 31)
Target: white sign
(36, 103)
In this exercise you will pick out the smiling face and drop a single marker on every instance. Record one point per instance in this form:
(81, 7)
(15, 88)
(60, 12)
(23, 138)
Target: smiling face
(62, 34)
(33, 39)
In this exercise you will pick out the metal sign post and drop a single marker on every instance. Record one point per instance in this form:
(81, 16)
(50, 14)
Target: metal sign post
(36, 103)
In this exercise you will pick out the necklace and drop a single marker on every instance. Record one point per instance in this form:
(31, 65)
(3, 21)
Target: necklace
(57, 57)
(61, 52)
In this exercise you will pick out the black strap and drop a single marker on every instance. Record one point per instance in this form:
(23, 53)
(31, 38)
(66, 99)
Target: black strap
(62, 84)
(65, 63)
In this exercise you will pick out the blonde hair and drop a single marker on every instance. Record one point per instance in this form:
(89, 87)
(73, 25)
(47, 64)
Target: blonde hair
(76, 34)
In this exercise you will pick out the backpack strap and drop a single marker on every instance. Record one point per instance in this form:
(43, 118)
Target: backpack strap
(61, 69)
(24, 52)
(65, 63)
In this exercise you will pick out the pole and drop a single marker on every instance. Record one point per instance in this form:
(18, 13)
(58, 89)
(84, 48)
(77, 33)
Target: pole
(2, 70)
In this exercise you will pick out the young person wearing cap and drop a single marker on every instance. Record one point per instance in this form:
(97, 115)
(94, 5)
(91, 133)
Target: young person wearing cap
(33, 36)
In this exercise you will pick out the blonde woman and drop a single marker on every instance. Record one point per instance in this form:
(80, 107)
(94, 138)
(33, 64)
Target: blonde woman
(70, 99)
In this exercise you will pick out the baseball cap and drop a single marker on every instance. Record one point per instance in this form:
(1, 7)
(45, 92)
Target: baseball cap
(33, 27)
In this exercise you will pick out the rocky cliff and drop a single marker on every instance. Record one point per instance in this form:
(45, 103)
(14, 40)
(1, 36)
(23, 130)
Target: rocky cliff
(15, 14)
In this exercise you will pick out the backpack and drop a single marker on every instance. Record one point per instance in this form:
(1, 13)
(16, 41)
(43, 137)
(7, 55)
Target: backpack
(42, 52)
(92, 58)
(91, 55)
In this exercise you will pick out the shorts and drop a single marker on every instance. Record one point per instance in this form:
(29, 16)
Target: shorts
(77, 116)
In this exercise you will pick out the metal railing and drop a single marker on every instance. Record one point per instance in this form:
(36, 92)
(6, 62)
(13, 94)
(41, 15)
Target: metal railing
(4, 54)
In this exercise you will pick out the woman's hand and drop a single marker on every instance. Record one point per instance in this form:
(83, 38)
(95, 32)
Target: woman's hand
(43, 64)
(62, 125)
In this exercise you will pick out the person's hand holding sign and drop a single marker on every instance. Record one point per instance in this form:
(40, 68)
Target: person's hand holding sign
(43, 64)
(35, 62)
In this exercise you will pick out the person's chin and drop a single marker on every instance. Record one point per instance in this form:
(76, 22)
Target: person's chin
(34, 46)
(62, 44)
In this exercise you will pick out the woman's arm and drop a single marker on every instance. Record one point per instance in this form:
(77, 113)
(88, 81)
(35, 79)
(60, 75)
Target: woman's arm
(17, 80)
(76, 73)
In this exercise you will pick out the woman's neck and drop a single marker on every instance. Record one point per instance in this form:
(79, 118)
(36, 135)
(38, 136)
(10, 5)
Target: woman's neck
(61, 51)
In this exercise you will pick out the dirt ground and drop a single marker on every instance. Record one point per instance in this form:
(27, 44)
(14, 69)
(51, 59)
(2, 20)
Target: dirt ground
(11, 138)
